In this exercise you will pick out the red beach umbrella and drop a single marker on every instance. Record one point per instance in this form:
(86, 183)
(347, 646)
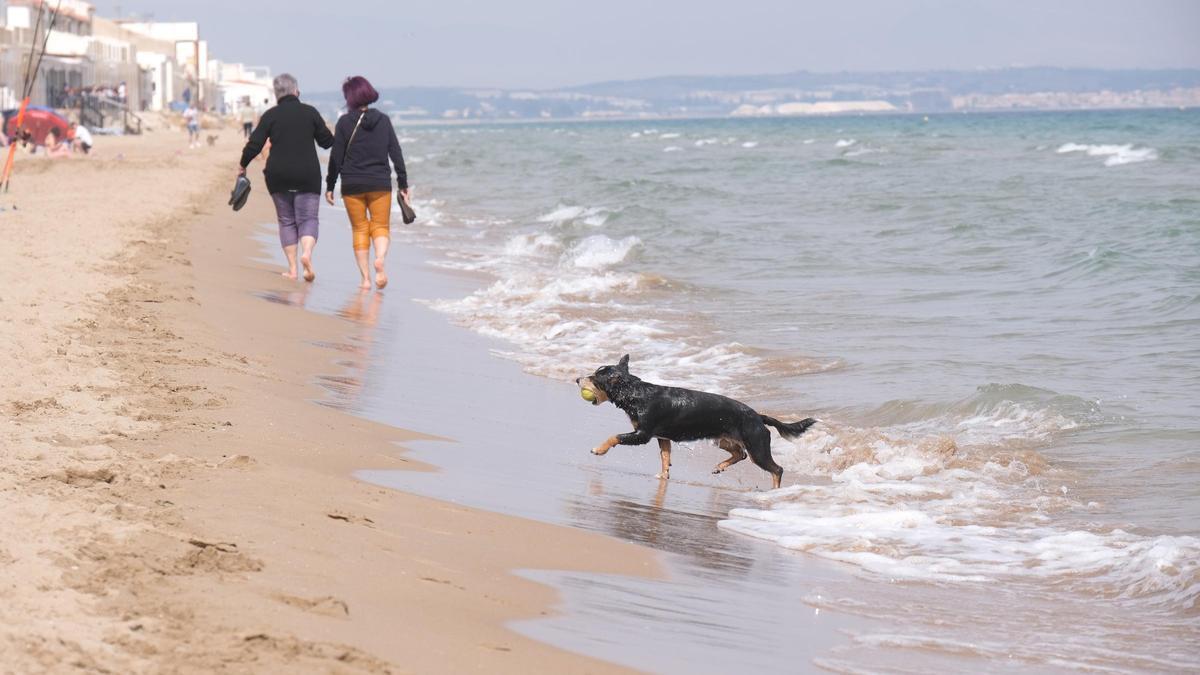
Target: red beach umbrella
(39, 121)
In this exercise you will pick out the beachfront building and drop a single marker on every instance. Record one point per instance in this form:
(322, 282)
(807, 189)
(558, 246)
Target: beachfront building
(122, 65)
(67, 62)
(179, 42)
(241, 85)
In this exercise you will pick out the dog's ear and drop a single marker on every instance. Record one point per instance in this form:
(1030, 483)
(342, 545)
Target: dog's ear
(623, 364)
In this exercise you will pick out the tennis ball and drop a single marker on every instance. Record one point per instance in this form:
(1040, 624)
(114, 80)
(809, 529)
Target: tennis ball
(588, 395)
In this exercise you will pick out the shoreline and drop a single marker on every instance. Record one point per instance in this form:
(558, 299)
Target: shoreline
(208, 519)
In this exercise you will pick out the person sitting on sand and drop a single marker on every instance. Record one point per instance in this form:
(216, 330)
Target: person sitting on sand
(56, 147)
(83, 139)
(363, 141)
(292, 171)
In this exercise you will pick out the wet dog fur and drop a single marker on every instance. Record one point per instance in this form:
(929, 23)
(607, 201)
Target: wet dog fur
(677, 414)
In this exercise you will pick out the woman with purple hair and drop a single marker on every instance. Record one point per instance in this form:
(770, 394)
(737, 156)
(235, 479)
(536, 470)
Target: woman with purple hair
(363, 141)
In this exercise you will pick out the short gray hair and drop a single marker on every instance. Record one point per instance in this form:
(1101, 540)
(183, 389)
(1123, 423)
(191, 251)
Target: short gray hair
(286, 85)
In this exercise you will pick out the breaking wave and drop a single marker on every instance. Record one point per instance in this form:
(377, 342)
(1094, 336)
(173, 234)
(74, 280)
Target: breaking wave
(1114, 155)
(960, 493)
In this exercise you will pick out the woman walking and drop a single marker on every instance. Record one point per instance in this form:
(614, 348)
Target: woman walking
(363, 141)
(292, 171)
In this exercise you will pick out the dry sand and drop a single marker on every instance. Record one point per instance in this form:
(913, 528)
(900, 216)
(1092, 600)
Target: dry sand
(170, 501)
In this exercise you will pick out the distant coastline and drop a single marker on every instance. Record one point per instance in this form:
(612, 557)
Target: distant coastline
(652, 119)
(800, 94)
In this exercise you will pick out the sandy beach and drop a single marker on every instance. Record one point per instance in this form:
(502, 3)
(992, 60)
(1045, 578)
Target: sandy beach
(171, 499)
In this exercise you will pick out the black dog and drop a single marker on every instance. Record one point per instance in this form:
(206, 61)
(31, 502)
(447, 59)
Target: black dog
(676, 414)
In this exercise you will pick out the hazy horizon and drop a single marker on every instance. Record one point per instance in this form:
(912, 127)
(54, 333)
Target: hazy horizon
(541, 44)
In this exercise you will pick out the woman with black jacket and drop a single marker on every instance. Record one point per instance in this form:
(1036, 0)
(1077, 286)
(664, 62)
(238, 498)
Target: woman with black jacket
(363, 141)
(293, 171)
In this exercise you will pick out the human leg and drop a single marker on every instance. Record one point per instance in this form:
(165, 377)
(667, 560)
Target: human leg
(356, 209)
(285, 213)
(380, 205)
(307, 205)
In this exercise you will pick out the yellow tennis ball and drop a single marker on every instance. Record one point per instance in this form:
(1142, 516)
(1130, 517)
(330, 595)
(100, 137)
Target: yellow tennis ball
(588, 395)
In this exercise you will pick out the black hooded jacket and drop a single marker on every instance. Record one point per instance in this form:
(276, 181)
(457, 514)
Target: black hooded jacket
(363, 164)
(292, 127)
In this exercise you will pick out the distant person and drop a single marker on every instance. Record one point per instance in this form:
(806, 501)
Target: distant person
(191, 117)
(121, 91)
(293, 172)
(248, 116)
(363, 141)
(83, 139)
(55, 146)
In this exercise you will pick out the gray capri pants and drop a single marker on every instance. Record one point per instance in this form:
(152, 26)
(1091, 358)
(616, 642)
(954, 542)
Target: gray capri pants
(297, 215)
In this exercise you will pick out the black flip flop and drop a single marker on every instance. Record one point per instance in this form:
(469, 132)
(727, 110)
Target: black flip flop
(240, 193)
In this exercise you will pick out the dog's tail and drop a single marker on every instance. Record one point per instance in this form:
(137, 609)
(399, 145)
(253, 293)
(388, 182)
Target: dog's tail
(789, 431)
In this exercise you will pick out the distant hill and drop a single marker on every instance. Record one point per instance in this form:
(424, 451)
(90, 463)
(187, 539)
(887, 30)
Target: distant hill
(800, 92)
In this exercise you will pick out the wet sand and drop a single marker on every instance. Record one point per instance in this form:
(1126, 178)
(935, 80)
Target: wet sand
(520, 445)
(171, 499)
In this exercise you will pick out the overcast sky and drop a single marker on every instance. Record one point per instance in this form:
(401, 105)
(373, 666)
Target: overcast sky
(547, 43)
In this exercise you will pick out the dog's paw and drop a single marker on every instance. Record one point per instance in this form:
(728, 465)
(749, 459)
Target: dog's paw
(663, 476)
(600, 451)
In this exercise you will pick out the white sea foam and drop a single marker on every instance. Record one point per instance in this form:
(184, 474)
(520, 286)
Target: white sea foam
(532, 244)
(599, 251)
(594, 216)
(963, 497)
(669, 135)
(844, 142)
(672, 148)
(750, 144)
(859, 151)
(705, 141)
(1115, 155)
(809, 141)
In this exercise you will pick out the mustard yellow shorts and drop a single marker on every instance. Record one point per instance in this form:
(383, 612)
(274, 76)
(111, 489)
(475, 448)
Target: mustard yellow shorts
(370, 213)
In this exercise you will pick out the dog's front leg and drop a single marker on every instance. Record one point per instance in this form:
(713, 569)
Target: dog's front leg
(632, 438)
(605, 446)
(664, 452)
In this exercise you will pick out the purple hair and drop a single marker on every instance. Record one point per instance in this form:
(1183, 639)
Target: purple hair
(358, 92)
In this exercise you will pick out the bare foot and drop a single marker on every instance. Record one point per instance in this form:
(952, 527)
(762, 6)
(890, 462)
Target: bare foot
(381, 279)
(365, 285)
(290, 274)
(309, 274)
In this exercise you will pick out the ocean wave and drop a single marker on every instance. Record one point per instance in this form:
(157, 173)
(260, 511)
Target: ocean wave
(537, 243)
(599, 251)
(844, 142)
(959, 493)
(672, 148)
(1115, 155)
(750, 144)
(594, 216)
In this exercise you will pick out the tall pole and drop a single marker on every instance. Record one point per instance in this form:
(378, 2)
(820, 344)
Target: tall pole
(31, 71)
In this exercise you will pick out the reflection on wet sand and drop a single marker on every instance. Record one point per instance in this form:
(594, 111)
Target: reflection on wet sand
(294, 298)
(651, 521)
(362, 309)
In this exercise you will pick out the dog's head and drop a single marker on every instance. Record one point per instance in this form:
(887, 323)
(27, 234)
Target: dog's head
(605, 380)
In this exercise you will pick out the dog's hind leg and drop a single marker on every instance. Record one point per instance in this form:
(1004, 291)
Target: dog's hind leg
(758, 442)
(736, 453)
(664, 452)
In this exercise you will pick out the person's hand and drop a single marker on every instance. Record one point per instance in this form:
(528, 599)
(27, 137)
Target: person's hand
(402, 195)
(329, 197)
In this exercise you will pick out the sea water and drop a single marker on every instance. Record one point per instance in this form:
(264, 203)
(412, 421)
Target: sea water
(995, 317)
